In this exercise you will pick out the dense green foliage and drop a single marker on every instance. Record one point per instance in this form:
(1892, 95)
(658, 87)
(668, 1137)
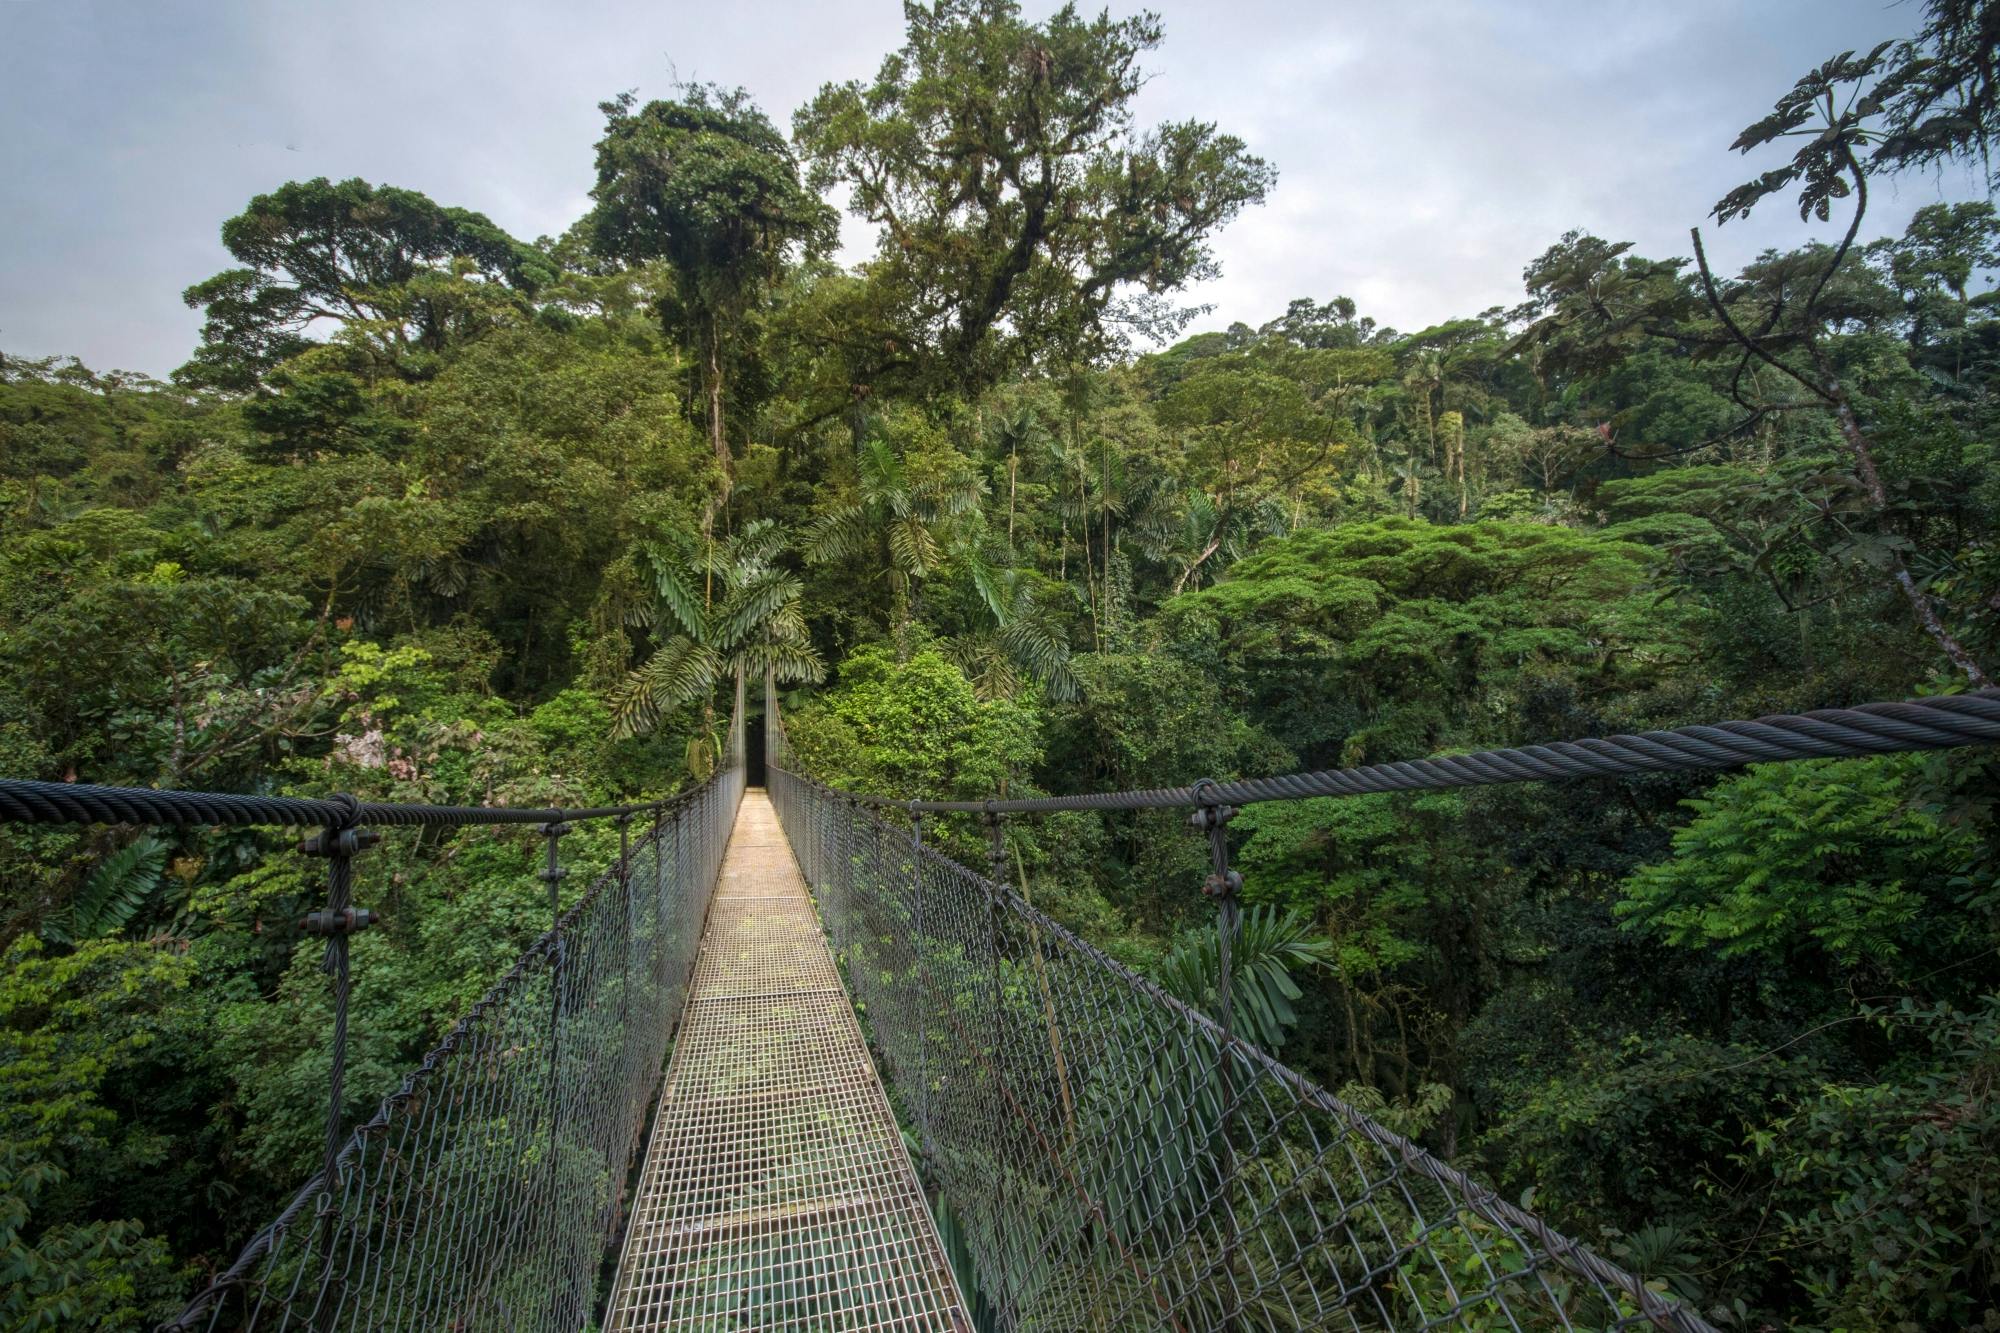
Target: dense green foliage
(434, 513)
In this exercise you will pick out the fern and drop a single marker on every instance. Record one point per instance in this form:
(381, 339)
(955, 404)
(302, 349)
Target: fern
(115, 893)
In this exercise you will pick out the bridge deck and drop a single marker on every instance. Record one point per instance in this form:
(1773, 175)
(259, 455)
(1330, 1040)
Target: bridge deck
(776, 1192)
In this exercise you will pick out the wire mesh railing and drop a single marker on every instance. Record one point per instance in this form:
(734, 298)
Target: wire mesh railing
(485, 1190)
(1105, 1155)
(1115, 1160)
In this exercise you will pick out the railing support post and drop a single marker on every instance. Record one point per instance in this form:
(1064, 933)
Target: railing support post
(631, 925)
(919, 945)
(1223, 885)
(996, 863)
(690, 920)
(850, 851)
(553, 874)
(339, 842)
(630, 1081)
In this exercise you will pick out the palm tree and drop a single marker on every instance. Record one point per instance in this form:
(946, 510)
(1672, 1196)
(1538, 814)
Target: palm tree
(1014, 431)
(1029, 640)
(1190, 535)
(912, 523)
(1424, 382)
(718, 608)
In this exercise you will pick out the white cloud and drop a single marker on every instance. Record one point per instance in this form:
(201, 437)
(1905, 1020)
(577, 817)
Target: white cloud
(1427, 150)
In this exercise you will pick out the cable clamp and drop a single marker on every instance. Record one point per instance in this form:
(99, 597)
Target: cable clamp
(347, 921)
(339, 842)
(1212, 817)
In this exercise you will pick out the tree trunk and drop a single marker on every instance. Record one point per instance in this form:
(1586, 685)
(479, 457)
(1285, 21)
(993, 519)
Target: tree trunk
(716, 440)
(1083, 533)
(1104, 546)
(1214, 543)
(1013, 469)
(1921, 606)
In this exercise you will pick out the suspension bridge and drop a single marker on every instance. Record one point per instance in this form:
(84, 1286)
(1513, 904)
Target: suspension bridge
(784, 1064)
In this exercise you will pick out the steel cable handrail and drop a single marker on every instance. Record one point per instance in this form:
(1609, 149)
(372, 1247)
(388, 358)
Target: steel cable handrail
(514, 1114)
(1878, 728)
(28, 802)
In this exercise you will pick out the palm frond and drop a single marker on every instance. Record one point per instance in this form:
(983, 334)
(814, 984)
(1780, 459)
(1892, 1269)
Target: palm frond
(755, 546)
(791, 663)
(883, 475)
(1270, 945)
(680, 670)
(712, 561)
(788, 624)
(953, 496)
(984, 662)
(993, 586)
(674, 586)
(752, 604)
(1033, 639)
(913, 547)
(836, 535)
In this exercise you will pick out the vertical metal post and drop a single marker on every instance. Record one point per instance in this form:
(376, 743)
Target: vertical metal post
(552, 874)
(631, 925)
(921, 946)
(661, 938)
(690, 919)
(632, 1080)
(878, 875)
(339, 842)
(996, 862)
(848, 851)
(1223, 885)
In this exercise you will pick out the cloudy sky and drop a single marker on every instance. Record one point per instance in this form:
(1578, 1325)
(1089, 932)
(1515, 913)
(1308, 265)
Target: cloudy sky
(1427, 149)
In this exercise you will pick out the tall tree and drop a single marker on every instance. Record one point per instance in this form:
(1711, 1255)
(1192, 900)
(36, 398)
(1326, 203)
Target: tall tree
(406, 274)
(708, 185)
(1024, 214)
(1248, 435)
(1837, 110)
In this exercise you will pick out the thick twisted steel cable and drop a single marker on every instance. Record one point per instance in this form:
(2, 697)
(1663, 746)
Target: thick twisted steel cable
(27, 802)
(1880, 728)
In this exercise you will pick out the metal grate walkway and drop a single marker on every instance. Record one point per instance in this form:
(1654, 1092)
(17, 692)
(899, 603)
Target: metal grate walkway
(776, 1192)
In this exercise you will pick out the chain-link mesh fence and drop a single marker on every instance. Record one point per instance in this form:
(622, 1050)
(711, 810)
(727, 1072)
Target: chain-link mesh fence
(1111, 1160)
(485, 1190)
